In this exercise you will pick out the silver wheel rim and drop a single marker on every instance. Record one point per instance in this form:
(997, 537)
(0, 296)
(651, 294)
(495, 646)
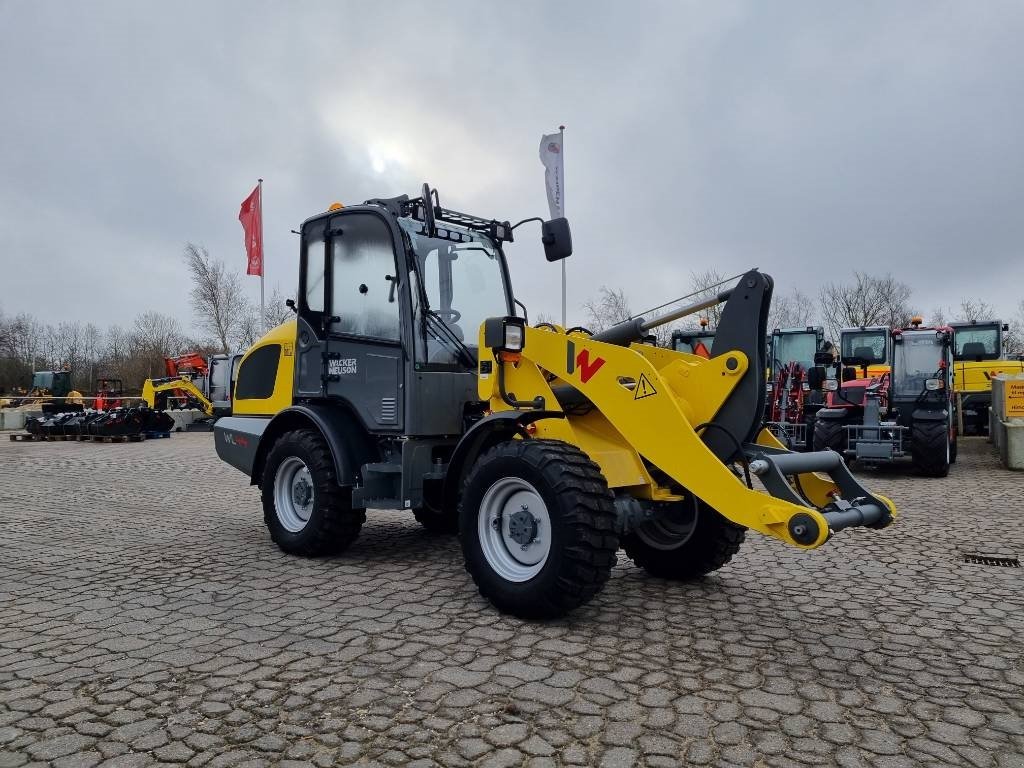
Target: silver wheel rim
(293, 494)
(668, 533)
(514, 529)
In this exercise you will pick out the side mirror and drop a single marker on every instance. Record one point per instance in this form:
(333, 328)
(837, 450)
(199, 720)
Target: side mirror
(557, 239)
(824, 358)
(849, 374)
(290, 303)
(816, 377)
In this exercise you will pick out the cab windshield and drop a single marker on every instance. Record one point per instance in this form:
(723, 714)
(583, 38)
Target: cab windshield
(976, 343)
(794, 348)
(863, 347)
(697, 344)
(916, 358)
(462, 280)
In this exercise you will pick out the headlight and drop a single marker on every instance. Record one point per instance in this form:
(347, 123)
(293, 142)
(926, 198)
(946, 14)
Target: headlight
(770, 387)
(806, 387)
(514, 338)
(934, 384)
(831, 385)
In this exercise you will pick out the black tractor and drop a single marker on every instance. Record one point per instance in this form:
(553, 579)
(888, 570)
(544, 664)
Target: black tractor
(906, 412)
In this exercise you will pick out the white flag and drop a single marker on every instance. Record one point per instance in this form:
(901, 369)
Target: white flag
(554, 172)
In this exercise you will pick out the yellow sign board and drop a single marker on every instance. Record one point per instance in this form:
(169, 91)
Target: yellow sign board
(1013, 391)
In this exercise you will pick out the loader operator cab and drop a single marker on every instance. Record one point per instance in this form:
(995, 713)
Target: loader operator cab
(922, 369)
(978, 341)
(795, 345)
(979, 353)
(700, 343)
(457, 281)
(861, 348)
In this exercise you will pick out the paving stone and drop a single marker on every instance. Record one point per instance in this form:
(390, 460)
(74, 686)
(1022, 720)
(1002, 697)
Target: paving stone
(149, 620)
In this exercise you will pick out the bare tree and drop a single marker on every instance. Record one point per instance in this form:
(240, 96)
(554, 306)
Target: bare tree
(610, 307)
(153, 337)
(275, 311)
(792, 310)
(1013, 339)
(868, 300)
(249, 328)
(217, 299)
(706, 284)
(975, 309)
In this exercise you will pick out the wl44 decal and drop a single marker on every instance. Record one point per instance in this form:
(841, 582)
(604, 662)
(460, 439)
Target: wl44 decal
(582, 360)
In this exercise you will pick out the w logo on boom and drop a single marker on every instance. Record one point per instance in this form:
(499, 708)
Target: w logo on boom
(588, 367)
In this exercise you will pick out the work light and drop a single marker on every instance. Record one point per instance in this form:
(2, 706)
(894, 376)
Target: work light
(934, 384)
(504, 334)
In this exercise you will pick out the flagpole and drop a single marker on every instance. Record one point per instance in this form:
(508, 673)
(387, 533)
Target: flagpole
(263, 265)
(561, 134)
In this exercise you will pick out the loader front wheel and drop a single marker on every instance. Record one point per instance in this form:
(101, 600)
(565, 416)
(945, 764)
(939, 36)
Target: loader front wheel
(691, 542)
(830, 434)
(930, 448)
(537, 527)
(304, 508)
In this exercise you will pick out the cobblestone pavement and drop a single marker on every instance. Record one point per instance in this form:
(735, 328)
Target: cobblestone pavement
(145, 617)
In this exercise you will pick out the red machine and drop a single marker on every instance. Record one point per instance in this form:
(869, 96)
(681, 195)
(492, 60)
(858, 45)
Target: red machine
(109, 394)
(189, 364)
(787, 403)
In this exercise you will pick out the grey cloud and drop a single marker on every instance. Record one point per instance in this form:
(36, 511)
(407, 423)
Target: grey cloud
(807, 138)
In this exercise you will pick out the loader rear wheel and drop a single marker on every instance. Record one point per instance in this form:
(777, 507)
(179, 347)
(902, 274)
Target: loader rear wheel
(304, 508)
(830, 434)
(537, 527)
(691, 543)
(930, 447)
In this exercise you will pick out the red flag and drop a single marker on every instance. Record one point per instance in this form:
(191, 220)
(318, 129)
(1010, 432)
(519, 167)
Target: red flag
(251, 217)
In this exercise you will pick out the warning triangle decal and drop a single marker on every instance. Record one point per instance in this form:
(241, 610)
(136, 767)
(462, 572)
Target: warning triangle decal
(644, 388)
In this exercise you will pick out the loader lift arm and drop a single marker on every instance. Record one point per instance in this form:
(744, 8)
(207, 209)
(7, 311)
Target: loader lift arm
(657, 421)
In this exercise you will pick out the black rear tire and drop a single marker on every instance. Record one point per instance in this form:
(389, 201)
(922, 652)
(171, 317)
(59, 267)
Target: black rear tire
(581, 520)
(830, 434)
(332, 523)
(930, 447)
(710, 544)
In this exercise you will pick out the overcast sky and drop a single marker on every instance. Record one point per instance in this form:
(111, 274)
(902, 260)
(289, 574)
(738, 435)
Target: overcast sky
(807, 138)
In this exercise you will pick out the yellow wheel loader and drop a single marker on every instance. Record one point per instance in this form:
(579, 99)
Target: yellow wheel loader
(978, 356)
(409, 381)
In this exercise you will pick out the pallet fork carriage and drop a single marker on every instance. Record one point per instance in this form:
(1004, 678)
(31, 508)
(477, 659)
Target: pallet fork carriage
(408, 381)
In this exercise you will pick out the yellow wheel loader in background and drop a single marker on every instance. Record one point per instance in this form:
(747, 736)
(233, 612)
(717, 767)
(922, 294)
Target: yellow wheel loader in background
(978, 356)
(408, 381)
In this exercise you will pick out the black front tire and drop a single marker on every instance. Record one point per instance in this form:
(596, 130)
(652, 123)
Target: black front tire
(711, 544)
(333, 524)
(930, 447)
(830, 434)
(581, 512)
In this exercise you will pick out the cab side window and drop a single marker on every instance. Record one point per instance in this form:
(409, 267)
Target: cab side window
(364, 288)
(314, 289)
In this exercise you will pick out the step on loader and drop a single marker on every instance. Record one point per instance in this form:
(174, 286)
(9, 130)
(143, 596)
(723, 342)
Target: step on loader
(408, 380)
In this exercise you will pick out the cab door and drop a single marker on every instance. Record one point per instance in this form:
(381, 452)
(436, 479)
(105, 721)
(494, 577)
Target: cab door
(364, 362)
